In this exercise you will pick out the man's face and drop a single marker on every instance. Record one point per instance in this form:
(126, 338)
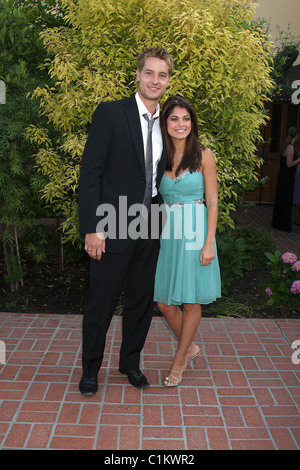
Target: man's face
(153, 79)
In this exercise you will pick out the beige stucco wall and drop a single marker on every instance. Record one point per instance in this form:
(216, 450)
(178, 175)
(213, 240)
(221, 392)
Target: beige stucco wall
(282, 13)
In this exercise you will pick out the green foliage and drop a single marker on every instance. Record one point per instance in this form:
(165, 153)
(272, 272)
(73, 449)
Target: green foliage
(21, 57)
(21, 50)
(18, 201)
(230, 308)
(233, 258)
(284, 55)
(284, 288)
(241, 250)
(258, 242)
(222, 64)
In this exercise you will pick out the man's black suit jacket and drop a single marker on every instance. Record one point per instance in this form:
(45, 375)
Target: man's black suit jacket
(113, 165)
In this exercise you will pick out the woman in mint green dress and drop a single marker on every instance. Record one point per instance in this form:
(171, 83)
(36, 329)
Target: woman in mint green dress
(187, 273)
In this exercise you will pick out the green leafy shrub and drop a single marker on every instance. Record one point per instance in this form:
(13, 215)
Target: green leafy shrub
(233, 258)
(21, 57)
(258, 242)
(241, 249)
(222, 65)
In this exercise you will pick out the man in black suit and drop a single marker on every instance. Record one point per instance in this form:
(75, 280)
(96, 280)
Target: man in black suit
(115, 165)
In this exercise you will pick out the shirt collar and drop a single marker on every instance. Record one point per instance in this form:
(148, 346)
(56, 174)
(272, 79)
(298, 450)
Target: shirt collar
(142, 108)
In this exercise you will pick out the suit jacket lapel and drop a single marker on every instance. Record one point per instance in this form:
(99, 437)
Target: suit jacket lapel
(132, 114)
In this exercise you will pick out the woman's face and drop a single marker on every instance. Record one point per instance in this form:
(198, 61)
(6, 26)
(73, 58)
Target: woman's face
(179, 123)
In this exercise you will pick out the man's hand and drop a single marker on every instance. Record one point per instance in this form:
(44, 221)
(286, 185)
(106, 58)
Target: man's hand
(95, 245)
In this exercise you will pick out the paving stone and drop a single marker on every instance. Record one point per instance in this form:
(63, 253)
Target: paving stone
(244, 393)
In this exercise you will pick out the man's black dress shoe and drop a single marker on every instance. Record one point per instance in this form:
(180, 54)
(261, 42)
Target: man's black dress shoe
(88, 386)
(135, 377)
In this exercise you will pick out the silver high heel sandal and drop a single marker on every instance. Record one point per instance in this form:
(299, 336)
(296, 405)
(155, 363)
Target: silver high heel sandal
(172, 381)
(192, 360)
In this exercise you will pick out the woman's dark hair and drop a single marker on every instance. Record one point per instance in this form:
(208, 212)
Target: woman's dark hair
(291, 134)
(192, 155)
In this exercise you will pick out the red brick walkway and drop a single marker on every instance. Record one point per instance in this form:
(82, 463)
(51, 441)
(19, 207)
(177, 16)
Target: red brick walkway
(244, 394)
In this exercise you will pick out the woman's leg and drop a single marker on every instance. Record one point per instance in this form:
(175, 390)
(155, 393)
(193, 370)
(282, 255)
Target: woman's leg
(173, 315)
(191, 316)
(184, 324)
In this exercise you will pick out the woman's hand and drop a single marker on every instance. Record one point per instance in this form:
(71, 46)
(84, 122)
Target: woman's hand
(207, 254)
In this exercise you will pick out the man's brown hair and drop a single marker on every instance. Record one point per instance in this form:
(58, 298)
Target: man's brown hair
(158, 53)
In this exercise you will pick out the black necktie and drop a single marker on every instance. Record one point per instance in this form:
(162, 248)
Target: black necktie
(148, 165)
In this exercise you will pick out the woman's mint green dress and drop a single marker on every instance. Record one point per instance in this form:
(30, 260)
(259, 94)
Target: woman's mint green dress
(180, 277)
